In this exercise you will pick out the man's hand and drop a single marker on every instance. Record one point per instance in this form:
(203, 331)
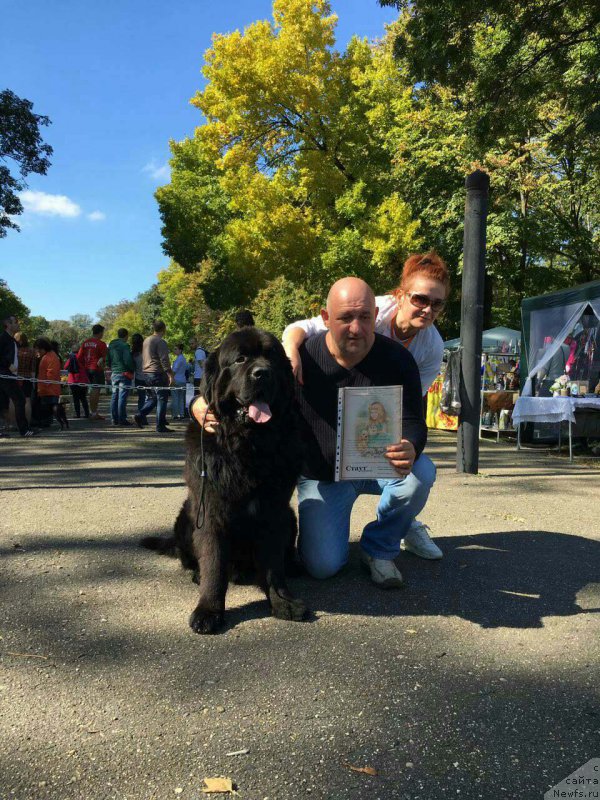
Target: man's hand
(401, 456)
(203, 416)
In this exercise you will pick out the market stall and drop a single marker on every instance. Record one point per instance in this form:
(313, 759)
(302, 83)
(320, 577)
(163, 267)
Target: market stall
(499, 380)
(560, 366)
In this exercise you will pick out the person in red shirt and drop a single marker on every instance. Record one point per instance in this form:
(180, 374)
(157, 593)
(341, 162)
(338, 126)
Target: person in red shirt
(91, 357)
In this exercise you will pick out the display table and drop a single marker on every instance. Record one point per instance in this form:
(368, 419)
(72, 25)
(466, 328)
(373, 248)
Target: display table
(551, 409)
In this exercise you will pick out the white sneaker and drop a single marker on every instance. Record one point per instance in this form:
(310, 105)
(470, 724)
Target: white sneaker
(383, 572)
(419, 542)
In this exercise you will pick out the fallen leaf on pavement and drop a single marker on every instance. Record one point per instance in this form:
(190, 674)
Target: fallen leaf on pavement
(218, 785)
(364, 770)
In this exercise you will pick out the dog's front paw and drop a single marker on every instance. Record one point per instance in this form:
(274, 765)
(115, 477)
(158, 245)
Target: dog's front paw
(204, 621)
(290, 608)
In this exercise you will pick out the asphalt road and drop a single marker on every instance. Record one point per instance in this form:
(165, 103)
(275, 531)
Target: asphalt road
(479, 680)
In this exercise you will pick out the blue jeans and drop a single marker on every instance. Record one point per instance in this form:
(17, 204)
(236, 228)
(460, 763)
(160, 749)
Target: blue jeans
(156, 397)
(141, 394)
(178, 400)
(120, 391)
(324, 511)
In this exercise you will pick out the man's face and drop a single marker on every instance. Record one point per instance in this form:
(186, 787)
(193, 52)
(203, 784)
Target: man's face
(350, 318)
(12, 325)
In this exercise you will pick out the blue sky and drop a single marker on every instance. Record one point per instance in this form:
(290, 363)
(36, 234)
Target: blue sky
(115, 78)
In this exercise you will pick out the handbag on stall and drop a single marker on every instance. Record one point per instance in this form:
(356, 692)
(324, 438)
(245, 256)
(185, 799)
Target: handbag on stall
(450, 399)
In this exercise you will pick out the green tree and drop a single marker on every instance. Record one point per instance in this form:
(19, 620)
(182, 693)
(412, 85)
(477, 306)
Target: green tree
(132, 321)
(61, 331)
(287, 148)
(82, 323)
(149, 306)
(503, 56)
(282, 302)
(35, 327)
(108, 315)
(20, 142)
(537, 140)
(10, 304)
(315, 163)
(183, 311)
(193, 207)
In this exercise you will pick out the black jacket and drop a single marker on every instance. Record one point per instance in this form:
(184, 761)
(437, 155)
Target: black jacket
(7, 352)
(386, 364)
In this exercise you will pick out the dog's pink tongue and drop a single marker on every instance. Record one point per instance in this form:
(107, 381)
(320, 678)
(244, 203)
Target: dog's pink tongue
(259, 411)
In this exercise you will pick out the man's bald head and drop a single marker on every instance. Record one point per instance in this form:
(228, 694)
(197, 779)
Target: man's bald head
(350, 290)
(350, 319)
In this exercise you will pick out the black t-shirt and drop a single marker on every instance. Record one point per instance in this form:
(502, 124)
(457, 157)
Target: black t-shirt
(387, 363)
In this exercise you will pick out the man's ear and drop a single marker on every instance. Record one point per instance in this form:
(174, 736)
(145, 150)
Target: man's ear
(325, 317)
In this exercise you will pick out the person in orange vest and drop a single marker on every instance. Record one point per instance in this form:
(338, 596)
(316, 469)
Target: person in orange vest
(48, 370)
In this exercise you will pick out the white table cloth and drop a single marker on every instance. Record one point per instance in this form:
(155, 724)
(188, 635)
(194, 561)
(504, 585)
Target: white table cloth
(551, 409)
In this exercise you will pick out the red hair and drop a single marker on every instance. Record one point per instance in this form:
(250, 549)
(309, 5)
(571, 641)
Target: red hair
(425, 265)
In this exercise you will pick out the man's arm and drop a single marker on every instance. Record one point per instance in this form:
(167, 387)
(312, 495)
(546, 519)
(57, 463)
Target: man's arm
(103, 352)
(7, 352)
(291, 340)
(130, 363)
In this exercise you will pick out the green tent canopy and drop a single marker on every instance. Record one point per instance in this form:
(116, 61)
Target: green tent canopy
(548, 318)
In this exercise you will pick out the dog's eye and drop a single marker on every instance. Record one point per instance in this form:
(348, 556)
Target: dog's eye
(240, 359)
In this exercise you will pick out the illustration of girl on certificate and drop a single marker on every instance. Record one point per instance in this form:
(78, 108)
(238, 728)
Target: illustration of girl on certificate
(373, 436)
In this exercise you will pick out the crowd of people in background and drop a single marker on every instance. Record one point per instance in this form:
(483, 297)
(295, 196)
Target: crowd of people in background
(31, 376)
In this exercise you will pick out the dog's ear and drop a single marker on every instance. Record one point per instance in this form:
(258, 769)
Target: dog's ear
(209, 377)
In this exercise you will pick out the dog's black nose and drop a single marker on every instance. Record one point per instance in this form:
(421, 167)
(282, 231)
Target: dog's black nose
(260, 373)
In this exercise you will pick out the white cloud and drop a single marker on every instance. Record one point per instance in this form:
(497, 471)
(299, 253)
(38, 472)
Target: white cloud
(49, 205)
(96, 216)
(156, 171)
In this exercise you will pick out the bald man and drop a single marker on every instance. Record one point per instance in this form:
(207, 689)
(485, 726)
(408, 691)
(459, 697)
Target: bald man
(350, 353)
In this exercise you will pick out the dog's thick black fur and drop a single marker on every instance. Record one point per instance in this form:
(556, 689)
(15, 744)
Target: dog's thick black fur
(239, 514)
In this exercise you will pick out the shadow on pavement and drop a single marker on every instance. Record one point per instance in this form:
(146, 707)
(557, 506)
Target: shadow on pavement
(505, 579)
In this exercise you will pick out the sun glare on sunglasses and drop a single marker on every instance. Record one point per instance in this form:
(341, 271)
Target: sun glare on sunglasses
(422, 301)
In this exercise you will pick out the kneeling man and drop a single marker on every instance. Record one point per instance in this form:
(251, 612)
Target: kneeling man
(350, 353)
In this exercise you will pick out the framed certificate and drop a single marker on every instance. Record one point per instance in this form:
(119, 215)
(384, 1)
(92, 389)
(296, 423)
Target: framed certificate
(369, 420)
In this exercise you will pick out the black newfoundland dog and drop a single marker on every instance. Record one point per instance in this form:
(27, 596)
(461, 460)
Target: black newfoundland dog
(241, 479)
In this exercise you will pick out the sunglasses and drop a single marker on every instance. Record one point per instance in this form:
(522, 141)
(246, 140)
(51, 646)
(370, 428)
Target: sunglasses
(422, 301)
